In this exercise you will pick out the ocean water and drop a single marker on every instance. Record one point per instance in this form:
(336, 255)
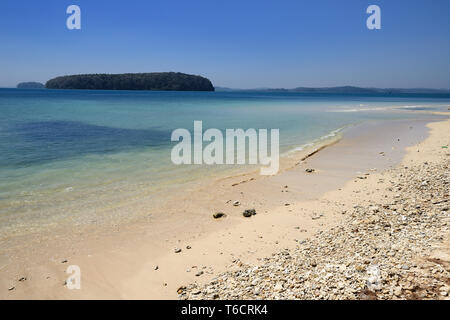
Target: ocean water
(66, 154)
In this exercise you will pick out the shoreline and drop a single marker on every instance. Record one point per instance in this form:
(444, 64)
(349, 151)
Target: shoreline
(213, 243)
(288, 159)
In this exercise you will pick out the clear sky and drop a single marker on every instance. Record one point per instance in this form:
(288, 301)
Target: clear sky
(239, 44)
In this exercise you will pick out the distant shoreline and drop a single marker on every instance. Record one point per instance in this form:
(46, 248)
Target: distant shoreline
(30, 85)
(346, 90)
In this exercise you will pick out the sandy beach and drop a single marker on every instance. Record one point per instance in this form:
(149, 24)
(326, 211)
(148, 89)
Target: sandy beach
(179, 251)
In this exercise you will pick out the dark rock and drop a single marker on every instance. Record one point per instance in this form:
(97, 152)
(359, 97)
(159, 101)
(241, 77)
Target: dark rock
(218, 215)
(249, 212)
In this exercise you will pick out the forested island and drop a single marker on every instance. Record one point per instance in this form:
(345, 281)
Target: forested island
(30, 85)
(171, 81)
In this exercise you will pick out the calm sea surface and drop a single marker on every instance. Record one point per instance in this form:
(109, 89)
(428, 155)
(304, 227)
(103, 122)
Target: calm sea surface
(71, 152)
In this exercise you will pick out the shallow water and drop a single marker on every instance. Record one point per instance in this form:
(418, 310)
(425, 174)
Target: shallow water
(72, 153)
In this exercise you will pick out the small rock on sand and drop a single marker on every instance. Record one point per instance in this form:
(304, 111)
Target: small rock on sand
(249, 212)
(316, 216)
(219, 215)
(181, 289)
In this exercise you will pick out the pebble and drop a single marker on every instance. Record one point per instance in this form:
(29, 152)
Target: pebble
(278, 286)
(249, 212)
(218, 215)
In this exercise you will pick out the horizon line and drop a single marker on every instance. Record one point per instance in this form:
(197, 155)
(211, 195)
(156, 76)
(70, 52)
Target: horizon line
(293, 88)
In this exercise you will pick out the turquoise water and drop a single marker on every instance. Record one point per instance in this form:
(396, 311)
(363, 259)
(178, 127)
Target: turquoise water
(65, 153)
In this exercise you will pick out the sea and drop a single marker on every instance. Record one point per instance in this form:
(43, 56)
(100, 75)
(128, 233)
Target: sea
(80, 154)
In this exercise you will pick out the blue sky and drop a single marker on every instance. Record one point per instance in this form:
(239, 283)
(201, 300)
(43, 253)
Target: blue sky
(240, 44)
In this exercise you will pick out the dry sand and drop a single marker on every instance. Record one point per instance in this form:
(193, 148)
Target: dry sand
(138, 260)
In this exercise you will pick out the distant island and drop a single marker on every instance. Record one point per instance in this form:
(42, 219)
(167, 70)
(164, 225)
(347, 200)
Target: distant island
(30, 85)
(172, 81)
(346, 90)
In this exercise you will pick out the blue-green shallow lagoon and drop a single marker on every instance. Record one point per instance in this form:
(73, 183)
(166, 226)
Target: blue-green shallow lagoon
(76, 154)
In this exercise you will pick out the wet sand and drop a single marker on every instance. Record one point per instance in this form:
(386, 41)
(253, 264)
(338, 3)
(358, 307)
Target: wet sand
(120, 262)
